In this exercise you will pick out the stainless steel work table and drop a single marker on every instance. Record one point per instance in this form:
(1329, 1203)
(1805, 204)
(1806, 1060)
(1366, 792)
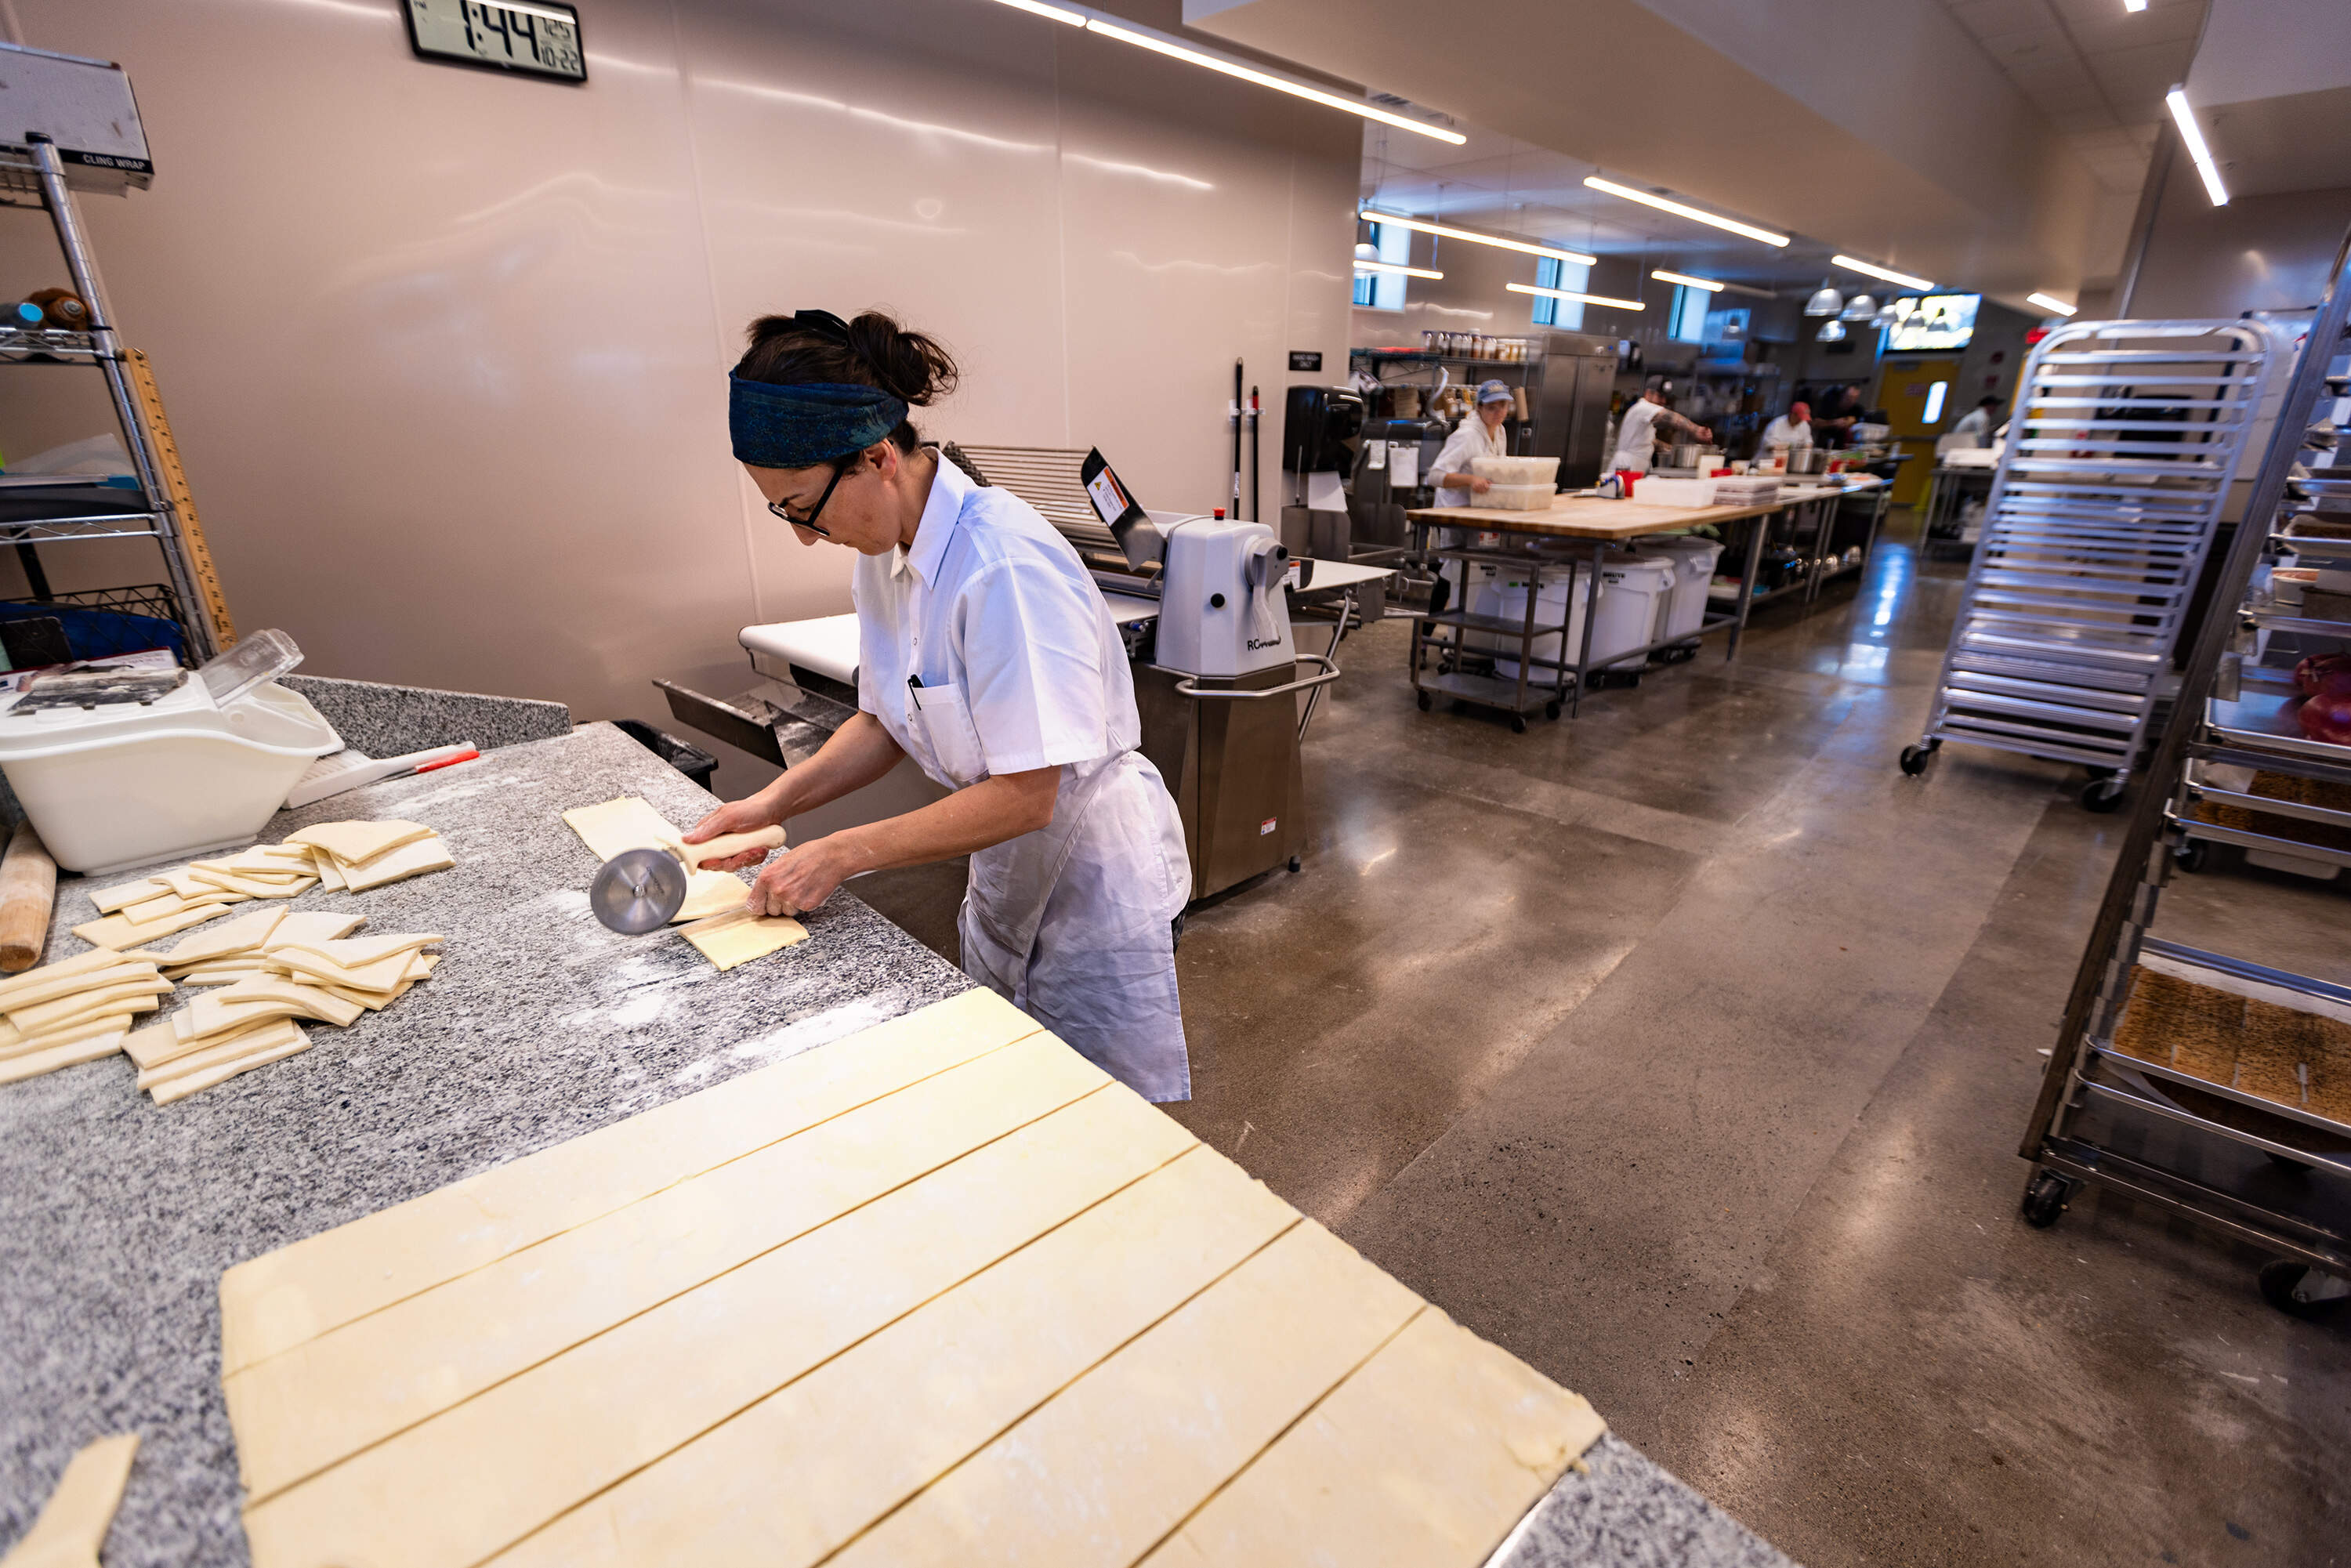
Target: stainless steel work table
(1576, 528)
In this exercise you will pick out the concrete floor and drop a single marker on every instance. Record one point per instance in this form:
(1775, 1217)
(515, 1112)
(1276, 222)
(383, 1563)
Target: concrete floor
(1684, 1049)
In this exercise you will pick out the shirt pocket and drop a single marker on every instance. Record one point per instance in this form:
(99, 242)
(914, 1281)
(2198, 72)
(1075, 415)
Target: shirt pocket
(941, 717)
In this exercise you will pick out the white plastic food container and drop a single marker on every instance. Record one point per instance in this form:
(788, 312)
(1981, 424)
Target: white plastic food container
(1654, 491)
(1514, 497)
(1632, 592)
(124, 783)
(1694, 563)
(1517, 470)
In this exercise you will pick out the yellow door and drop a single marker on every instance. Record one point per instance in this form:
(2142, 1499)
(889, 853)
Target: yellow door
(1921, 401)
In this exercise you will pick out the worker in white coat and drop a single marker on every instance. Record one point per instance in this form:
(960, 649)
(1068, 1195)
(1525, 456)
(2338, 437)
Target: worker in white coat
(1792, 432)
(987, 654)
(1975, 428)
(1636, 428)
(1479, 435)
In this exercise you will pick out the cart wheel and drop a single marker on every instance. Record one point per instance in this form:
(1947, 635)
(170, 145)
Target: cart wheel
(2295, 1289)
(2192, 855)
(2101, 795)
(2044, 1200)
(1914, 759)
(1423, 702)
(1551, 710)
(1518, 723)
(1296, 865)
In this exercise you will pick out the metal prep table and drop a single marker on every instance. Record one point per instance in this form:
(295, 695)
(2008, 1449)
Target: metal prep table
(1575, 529)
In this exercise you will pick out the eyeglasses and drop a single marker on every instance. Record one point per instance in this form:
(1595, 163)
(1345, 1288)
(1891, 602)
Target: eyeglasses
(839, 467)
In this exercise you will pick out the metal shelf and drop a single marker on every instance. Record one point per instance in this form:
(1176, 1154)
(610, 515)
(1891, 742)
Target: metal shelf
(1492, 691)
(1500, 625)
(2264, 721)
(61, 530)
(66, 347)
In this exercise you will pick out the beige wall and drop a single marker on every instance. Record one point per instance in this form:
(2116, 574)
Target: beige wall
(444, 349)
(2258, 253)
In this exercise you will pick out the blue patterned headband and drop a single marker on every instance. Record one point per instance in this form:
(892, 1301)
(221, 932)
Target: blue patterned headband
(800, 427)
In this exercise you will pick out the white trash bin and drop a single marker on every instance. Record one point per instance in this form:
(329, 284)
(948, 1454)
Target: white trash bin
(1560, 593)
(1633, 592)
(1694, 565)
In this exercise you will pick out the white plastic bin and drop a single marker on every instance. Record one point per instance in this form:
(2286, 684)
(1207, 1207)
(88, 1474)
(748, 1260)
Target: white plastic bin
(1515, 497)
(1633, 592)
(125, 785)
(1694, 563)
(1516, 470)
(1560, 593)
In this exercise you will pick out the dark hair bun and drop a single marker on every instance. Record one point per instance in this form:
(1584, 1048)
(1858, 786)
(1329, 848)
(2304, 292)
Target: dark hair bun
(874, 351)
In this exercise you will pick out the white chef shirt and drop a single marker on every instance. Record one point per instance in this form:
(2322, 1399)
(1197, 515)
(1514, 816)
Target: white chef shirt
(1469, 439)
(1976, 426)
(996, 614)
(1786, 432)
(1637, 434)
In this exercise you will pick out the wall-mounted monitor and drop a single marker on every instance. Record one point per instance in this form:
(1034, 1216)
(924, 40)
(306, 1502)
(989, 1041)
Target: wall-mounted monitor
(1924, 323)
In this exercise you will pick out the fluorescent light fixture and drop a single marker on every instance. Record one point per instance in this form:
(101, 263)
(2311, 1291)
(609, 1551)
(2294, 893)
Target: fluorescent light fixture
(2134, 4)
(2186, 120)
(1682, 211)
(1446, 231)
(1051, 13)
(2056, 307)
(1686, 281)
(1887, 273)
(1176, 51)
(1400, 271)
(1571, 294)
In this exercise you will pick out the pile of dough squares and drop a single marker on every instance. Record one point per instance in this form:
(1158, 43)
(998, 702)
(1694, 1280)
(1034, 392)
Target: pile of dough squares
(351, 856)
(74, 1012)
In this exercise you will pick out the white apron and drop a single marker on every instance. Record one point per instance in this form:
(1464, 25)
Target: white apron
(1071, 923)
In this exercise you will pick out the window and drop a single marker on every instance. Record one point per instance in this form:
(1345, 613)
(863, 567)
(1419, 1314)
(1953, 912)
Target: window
(1385, 290)
(1934, 395)
(1689, 313)
(1567, 315)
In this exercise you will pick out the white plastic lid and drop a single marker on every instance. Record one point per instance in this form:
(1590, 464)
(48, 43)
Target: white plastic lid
(262, 656)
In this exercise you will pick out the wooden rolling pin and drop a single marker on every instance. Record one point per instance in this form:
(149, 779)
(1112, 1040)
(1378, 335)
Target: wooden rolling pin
(28, 888)
(726, 846)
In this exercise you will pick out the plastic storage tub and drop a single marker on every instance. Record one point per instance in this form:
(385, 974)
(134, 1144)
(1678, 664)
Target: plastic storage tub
(1633, 591)
(1656, 491)
(1560, 593)
(1694, 562)
(1517, 470)
(127, 783)
(1515, 497)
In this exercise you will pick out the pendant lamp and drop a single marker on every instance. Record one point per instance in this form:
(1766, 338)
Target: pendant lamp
(1826, 302)
(1831, 331)
(1860, 307)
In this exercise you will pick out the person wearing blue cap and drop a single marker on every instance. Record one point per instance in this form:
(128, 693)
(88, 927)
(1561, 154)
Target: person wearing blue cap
(987, 654)
(1478, 435)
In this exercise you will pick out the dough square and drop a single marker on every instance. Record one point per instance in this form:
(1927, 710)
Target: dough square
(356, 842)
(428, 853)
(727, 940)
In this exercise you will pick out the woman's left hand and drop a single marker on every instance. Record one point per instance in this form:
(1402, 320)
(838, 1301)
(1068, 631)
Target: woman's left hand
(798, 880)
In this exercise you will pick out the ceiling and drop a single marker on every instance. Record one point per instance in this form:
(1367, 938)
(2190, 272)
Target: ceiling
(2097, 71)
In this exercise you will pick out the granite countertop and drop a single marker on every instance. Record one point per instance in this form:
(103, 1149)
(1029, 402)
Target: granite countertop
(118, 1215)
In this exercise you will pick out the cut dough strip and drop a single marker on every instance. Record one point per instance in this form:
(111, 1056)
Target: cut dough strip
(113, 931)
(43, 1017)
(631, 823)
(267, 1042)
(305, 925)
(34, 1064)
(428, 853)
(739, 936)
(356, 843)
(17, 986)
(107, 900)
(246, 934)
(74, 1521)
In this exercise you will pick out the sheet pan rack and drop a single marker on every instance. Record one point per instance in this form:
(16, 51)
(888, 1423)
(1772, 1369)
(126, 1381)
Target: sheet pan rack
(2127, 438)
(2216, 1085)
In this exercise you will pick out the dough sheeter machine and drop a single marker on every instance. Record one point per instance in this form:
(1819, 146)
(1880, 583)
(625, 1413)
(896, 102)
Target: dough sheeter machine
(1215, 686)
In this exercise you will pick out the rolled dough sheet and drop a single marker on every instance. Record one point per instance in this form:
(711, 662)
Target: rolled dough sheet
(211, 1054)
(112, 969)
(631, 823)
(227, 972)
(1432, 1452)
(304, 926)
(355, 952)
(805, 1470)
(17, 1045)
(74, 1521)
(25, 986)
(246, 934)
(261, 997)
(34, 1064)
(257, 888)
(686, 1364)
(162, 1041)
(381, 976)
(739, 936)
(73, 1008)
(373, 1001)
(300, 1291)
(212, 1077)
(298, 1413)
(107, 900)
(1143, 1439)
(356, 842)
(113, 931)
(426, 854)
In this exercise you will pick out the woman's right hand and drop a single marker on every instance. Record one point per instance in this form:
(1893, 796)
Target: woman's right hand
(1479, 487)
(744, 816)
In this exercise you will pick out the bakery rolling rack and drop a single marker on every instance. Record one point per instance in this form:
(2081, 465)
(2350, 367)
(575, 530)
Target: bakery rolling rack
(42, 169)
(2215, 1085)
(2128, 436)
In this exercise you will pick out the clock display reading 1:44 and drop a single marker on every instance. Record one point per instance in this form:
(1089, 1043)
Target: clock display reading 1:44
(540, 38)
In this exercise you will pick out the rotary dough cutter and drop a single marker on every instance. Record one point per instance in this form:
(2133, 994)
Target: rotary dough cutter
(642, 890)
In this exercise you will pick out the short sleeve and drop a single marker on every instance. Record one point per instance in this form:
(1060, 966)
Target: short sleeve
(1031, 645)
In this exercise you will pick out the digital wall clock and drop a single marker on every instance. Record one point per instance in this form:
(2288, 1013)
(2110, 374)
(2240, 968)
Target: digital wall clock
(535, 37)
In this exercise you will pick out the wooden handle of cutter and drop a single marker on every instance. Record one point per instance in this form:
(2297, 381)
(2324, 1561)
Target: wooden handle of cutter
(726, 846)
(28, 888)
